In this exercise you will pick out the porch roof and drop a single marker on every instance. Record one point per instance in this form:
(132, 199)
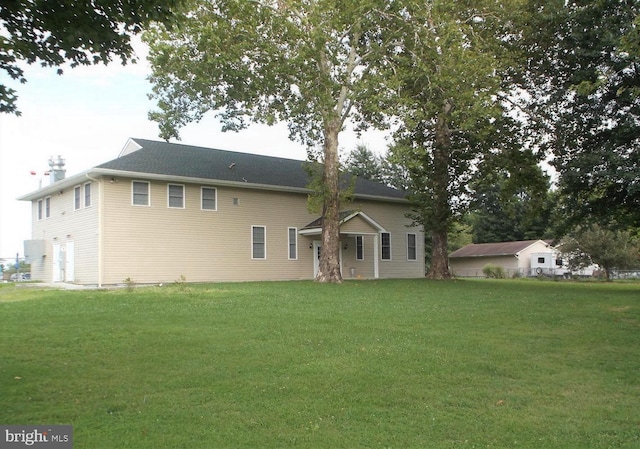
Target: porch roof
(315, 227)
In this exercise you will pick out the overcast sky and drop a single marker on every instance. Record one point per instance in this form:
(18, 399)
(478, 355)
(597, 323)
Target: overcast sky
(86, 116)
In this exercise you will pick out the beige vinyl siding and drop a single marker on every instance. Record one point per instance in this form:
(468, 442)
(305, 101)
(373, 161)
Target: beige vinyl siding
(159, 244)
(391, 216)
(357, 225)
(66, 224)
(472, 266)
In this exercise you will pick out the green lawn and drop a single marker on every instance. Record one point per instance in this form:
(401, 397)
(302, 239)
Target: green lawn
(387, 364)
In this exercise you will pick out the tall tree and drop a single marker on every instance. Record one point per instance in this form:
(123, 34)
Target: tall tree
(364, 163)
(445, 87)
(584, 78)
(309, 64)
(82, 33)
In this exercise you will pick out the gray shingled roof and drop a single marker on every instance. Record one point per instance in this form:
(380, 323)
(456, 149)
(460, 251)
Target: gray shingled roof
(171, 159)
(492, 249)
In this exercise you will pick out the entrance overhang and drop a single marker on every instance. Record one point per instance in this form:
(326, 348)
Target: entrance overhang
(315, 227)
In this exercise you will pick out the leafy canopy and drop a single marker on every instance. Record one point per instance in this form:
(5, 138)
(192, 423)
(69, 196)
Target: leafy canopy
(82, 33)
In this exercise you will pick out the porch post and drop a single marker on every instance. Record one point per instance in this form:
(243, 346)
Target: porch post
(376, 272)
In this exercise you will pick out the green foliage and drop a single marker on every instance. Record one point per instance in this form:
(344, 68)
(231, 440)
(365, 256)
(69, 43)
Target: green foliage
(364, 163)
(282, 365)
(504, 209)
(313, 65)
(81, 33)
(445, 89)
(492, 271)
(583, 78)
(606, 247)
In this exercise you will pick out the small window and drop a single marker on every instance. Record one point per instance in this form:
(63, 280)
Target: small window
(39, 209)
(175, 193)
(258, 242)
(559, 262)
(76, 198)
(140, 193)
(47, 207)
(411, 247)
(359, 247)
(87, 195)
(540, 259)
(385, 237)
(293, 244)
(209, 200)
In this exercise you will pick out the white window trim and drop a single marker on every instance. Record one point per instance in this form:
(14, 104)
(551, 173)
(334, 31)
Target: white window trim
(78, 205)
(265, 242)
(415, 246)
(295, 236)
(40, 210)
(148, 193)
(83, 194)
(361, 238)
(382, 248)
(215, 199)
(47, 208)
(184, 195)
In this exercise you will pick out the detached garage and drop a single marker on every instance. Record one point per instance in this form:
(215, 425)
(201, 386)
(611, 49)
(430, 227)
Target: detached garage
(513, 257)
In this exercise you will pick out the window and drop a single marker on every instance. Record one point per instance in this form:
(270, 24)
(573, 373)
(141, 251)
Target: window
(293, 244)
(558, 262)
(258, 242)
(385, 237)
(411, 247)
(540, 259)
(87, 195)
(76, 198)
(208, 195)
(39, 209)
(175, 194)
(140, 193)
(47, 207)
(359, 247)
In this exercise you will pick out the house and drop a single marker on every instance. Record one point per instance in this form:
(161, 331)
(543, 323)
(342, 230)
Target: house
(513, 257)
(161, 212)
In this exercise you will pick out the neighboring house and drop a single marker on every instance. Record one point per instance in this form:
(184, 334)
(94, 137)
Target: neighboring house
(161, 212)
(513, 257)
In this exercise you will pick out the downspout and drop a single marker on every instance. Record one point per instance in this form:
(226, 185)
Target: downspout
(100, 226)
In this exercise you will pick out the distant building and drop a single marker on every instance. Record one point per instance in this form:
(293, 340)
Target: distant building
(513, 257)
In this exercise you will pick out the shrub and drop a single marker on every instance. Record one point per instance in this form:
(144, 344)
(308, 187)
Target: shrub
(493, 271)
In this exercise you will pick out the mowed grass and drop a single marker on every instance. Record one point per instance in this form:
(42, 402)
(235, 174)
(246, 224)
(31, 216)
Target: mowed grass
(384, 364)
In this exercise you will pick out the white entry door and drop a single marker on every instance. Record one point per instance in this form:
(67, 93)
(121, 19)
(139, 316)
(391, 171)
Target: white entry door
(58, 262)
(69, 266)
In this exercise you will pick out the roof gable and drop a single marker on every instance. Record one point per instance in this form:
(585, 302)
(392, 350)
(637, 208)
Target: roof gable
(362, 221)
(178, 160)
(494, 249)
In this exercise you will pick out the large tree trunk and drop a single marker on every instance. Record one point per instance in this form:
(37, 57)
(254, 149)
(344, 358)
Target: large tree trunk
(440, 180)
(329, 267)
(439, 256)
